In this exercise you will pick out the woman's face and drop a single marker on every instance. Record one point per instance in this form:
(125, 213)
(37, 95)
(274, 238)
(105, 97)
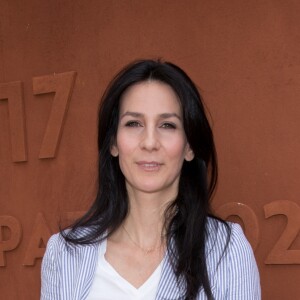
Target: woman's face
(151, 142)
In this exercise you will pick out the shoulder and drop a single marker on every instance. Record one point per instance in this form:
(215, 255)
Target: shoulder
(223, 234)
(231, 237)
(57, 244)
(240, 253)
(231, 262)
(60, 253)
(228, 247)
(238, 241)
(66, 266)
(218, 234)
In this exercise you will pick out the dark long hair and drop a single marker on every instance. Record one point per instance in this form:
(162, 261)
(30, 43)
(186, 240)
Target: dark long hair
(186, 217)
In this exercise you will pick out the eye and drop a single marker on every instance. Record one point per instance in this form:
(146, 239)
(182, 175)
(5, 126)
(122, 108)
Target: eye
(168, 125)
(133, 124)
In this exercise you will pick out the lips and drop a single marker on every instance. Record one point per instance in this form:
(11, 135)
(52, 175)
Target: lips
(149, 165)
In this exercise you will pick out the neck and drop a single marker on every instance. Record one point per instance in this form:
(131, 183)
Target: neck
(145, 221)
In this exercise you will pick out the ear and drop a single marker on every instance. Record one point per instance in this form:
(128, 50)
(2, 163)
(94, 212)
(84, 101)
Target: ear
(189, 153)
(114, 150)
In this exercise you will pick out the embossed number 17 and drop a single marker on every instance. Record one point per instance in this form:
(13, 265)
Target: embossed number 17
(59, 83)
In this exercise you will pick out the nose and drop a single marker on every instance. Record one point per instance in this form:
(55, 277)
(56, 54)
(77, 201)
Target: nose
(150, 140)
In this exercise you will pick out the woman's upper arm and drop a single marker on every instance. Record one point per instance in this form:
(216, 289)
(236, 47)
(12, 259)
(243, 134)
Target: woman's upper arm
(244, 281)
(49, 272)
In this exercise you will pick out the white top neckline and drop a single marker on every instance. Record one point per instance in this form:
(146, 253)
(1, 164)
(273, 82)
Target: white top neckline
(109, 284)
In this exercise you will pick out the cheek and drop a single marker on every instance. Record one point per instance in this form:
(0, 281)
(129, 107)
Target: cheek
(177, 149)
(125, 145)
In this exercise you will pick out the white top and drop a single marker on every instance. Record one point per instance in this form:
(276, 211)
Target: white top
(108, 284)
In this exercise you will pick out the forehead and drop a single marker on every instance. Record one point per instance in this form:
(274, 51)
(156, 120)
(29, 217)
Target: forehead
(150, 97)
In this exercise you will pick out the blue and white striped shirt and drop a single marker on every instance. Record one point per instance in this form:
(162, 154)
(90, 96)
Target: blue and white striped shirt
(68, 273)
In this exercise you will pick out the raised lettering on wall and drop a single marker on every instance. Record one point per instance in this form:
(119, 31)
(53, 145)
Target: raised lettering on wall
(247, 215)
(12, 243)
(13, 92)
(41, 234)
(281, 254)
(62, 85)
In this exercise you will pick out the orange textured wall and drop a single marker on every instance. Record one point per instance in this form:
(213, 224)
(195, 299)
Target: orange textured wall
(56, 58)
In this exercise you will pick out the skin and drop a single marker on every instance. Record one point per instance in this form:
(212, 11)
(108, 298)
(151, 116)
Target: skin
(151, 146)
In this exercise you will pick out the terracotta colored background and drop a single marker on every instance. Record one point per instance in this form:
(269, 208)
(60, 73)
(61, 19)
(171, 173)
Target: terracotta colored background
(244, 56)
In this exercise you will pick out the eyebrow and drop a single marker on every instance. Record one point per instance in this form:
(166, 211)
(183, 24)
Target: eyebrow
(139, 115)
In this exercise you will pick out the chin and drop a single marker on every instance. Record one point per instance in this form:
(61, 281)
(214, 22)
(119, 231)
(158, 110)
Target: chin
(154, 188)
(150, 189)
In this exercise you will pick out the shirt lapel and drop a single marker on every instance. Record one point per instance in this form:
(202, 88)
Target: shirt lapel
(169, 287)
(80, 266)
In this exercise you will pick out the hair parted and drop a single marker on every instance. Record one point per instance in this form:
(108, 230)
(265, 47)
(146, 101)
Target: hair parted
(186, 217)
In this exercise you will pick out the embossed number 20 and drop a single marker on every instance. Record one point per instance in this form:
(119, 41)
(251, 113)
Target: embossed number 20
(280, 254)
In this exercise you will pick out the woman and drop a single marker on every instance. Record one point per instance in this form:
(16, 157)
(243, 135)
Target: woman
(150, 233)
